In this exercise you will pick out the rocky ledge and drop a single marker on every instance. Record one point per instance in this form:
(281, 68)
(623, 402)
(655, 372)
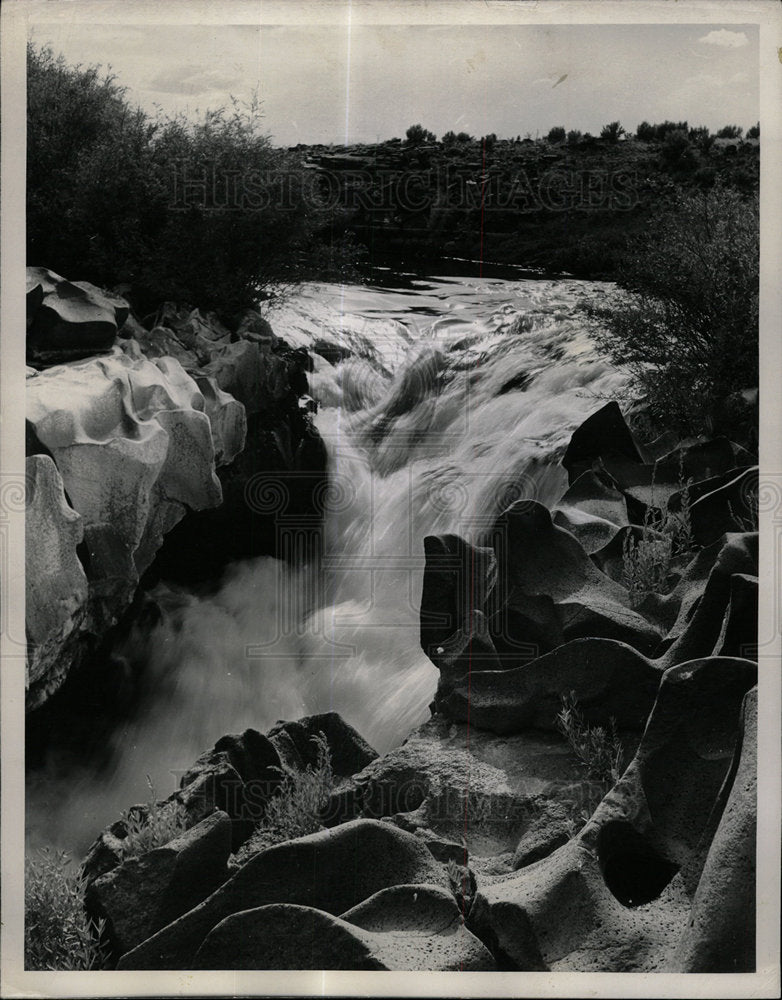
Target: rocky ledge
(132, 429)
(485, 841)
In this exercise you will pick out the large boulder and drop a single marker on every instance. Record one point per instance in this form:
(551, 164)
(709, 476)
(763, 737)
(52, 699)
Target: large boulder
(415, 928)
(308, 872)
(144, 894)
(349, 751)
(604, 433)
(68, 320)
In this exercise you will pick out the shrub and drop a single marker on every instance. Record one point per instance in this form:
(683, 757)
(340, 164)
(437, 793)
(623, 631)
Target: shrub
(688, 332)
(417, 135)
(58, 934)
(666, 542)
(106, 200)
(556, 134)
(754, 132)
(297, 807)
(153, 826)
(612, 131)
(598, 750)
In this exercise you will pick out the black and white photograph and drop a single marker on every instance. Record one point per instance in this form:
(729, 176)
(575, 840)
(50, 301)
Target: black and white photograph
(391, 498)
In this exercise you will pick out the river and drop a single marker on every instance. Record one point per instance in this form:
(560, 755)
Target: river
(439, 404)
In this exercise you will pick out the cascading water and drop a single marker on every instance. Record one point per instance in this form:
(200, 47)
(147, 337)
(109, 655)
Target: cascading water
(439, 406)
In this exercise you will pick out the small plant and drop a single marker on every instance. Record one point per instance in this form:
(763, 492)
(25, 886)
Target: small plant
(598, 750)
(297, 807)
(153, 827)
(666, 539)
(58, 934)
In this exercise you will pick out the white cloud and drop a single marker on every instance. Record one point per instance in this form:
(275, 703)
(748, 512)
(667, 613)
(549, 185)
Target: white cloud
(725, 39)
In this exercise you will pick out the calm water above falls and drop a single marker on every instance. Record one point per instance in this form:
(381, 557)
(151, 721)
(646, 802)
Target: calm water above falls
(450, 401)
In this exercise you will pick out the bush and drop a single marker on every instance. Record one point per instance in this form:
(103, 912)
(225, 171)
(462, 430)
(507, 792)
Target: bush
(58, 934)
(106, 199)
(598, 750)
(297, 807)
(688, 333)
(417, 135)
(612, 132)
(556, 134)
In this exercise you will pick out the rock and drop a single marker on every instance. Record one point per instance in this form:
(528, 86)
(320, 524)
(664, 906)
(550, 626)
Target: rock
(404, 928)
(134, 449)
(252, 326)
(72, 319)
(458, 580)
(730, 507)
(146, 893)
(227, 420)
(463, 786)
(596, 496)
(720, 936)
(705, 607)
(609, 679)
(238, 776)
(547, 832)
(617, 896)
(603, 433)
(308, 872)
(349, 751)
(56, 584)
(536, 558)
(236, 368)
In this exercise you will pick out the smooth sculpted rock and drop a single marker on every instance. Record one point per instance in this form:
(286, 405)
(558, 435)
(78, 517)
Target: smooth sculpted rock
(56, 584)
(536, 558)
(592, 509)
(68, 320)
(603, 433)
(134, 448)
(610, 680)
(721, 934)
(333, 871)
(144, 894)
(415, 928)
(618, 896)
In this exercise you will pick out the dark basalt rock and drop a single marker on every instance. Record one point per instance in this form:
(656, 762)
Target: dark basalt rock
(409, 927)
(618, 896)
(144, 894)
(604, 433)
(68, 320)
(349, 751)
(306, 872)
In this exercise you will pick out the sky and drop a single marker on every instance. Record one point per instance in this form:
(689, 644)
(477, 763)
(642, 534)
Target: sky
(324, 83)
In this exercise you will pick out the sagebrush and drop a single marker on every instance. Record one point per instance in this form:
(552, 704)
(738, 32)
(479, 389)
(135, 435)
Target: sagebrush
(296, 809)
(598, 749)
(58, 934)
(666, 542)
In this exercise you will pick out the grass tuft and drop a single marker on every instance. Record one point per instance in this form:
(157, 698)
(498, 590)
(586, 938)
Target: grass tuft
(152, 827)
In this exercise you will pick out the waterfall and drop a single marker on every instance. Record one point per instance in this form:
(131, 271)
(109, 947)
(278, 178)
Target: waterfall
(439, 407)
